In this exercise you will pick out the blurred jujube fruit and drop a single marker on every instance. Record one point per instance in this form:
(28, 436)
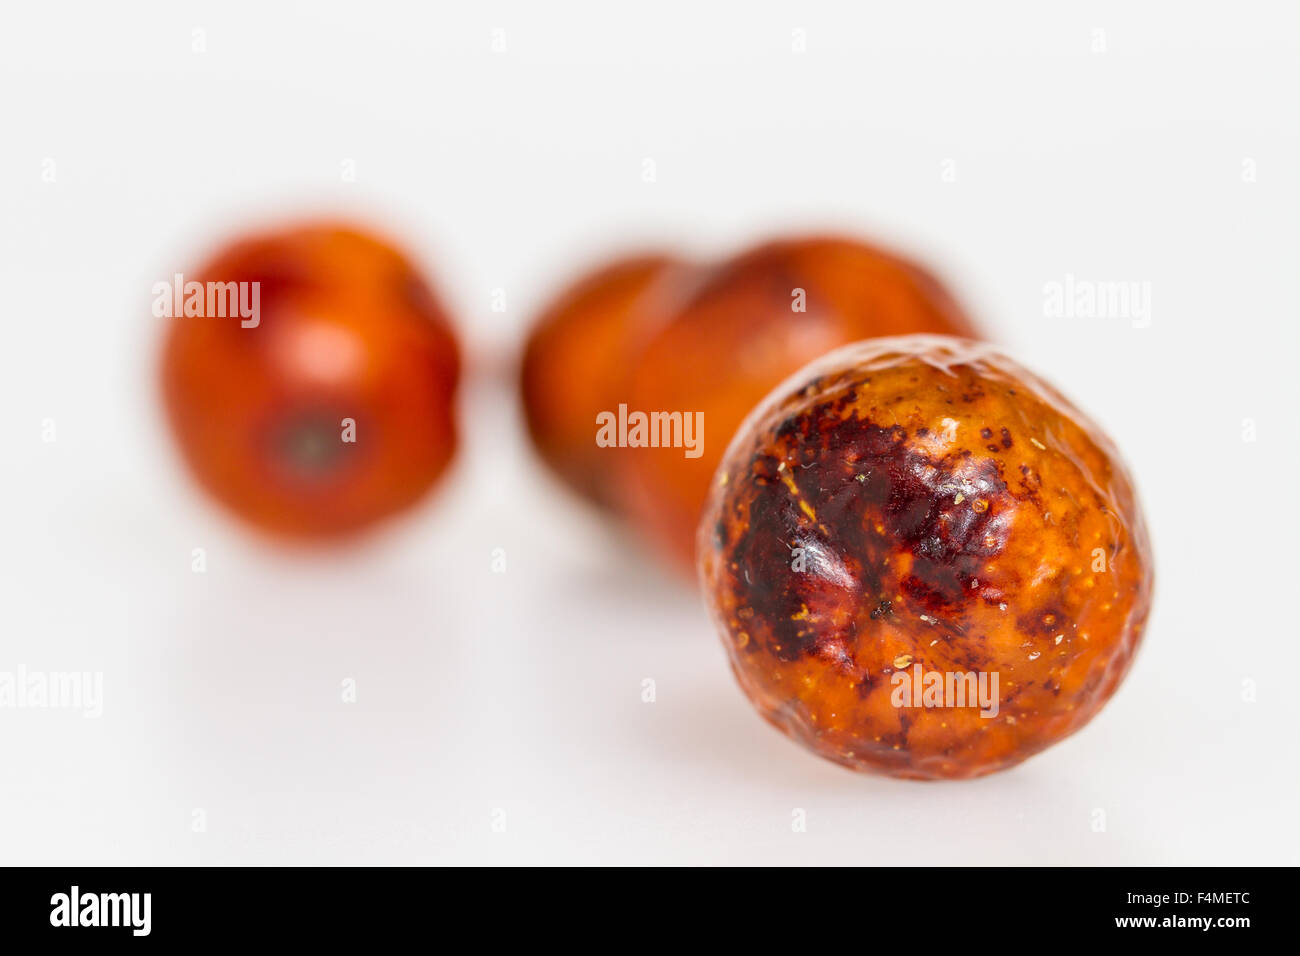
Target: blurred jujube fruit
(335, 408)
(576, 360)
(915, 506)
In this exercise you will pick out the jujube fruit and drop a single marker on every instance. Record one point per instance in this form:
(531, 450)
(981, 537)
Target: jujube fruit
(576, 360)
(923, 505)
(335, 408)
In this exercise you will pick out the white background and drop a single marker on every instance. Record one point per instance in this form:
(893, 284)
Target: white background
(514, 170)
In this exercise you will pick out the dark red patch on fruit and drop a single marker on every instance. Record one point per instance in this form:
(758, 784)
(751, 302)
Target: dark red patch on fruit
(889, 518)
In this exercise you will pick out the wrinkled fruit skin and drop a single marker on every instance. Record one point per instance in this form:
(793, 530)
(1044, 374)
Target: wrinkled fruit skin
(576, 360)
(348, 329)
(738, 337)
(947, 509)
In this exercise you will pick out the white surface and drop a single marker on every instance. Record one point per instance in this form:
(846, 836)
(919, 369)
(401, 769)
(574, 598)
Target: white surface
(513, 170)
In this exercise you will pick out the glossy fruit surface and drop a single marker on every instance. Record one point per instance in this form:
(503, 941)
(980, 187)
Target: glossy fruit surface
(758, 318)
(335, 408)
(576, 362)
(918, 505)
